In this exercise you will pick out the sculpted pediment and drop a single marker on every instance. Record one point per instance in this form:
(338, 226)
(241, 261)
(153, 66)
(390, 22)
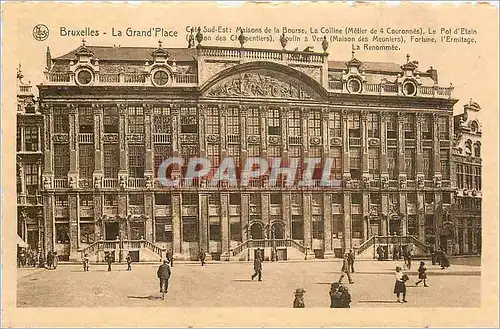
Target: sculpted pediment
(262, 84)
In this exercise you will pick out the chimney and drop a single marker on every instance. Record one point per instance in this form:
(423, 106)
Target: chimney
(48, 58)
(434, 74)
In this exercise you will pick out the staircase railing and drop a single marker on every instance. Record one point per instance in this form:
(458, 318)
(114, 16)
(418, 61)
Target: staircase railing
(365, 245)
(396, 240)
(267, 243)
(91, 248)
(154, 248)
(418, 243)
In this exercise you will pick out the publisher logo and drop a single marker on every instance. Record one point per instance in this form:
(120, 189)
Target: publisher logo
(40, 32)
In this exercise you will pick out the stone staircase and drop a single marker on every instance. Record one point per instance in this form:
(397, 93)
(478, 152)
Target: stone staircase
(245, 250)
(368, 249)
(148, 251)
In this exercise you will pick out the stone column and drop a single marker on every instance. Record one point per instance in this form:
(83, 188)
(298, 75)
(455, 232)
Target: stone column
(49, 220)
(263, 131)
(284, 132)
(265, 206)
(73, 144)
(123, 124)
(345, 143)
(287, 213)
(224, 213)
(98, 145)
(419, 163)
(74, 239)
(176, 224)
(305, 131)
(327, 226)
(243, 139)
(148, 141)
(245, 215)
(222, 131)
(347, 221)
(383, 143)
(384, 227)
(149, 214)
(403, 209)
(421, 216)
(435, 147)
(203, 221)
(306, 211)
(364, 143)
(47, 139)
(366, 213)
(465, 236)
(201, 132)
(438, 217)
(98, 213)
(401, 146)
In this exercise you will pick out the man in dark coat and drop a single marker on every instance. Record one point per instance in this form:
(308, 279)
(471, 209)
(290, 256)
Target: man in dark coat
(129, 262)
(202, 257)
(257, 267)
(351, 259)
(346, 269)
(170, 257)
(109, 261)
(164, 274)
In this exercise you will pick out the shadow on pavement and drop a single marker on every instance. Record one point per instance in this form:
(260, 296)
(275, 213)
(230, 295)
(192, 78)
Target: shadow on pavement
(146, 297)
(379, 301)
(243, 280)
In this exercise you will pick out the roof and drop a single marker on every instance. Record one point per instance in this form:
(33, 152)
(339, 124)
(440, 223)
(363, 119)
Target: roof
(104, 53)
(368, 66)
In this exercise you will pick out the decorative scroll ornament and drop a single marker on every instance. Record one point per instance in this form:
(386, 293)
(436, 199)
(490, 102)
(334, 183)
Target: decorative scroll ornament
(315, 141)
(274, 140)
(257, 85)
(149, 182)
(110, 138)
(213, 139)
(97, 182)
(72, 182)
(402, 181)
(253, 139)
(366, 181)
(135, 138)
(420, 181)
(373, 142)
(437, 181)
(336, 141)
(47, 183)
(385, 181)
(347, 180)
(60, 138)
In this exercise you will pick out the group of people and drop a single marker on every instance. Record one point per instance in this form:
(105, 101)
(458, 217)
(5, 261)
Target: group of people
(339, 296)
(402, 278)
(439, 256)
(27, 257)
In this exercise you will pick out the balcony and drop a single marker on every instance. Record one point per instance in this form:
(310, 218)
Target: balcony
(185, 79)
(295, 140)
(86, 138)
(161, 138)
(110, 183)
(60, 183)
(136, 182)
(29, 200)
(233, 139)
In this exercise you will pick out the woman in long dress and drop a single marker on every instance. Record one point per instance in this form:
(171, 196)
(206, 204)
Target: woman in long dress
(399, 286)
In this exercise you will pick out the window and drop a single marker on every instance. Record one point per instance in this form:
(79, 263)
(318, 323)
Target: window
(233, 151)
(213, 154)
(212, 120)
(111, 160)
(357, 198)
(429, 197)
(233, 121)
(136, 199)
(315, 123)
(337, 198)
(296, 199)
(160, 78)
(336, 158)
(357, 224)
(274, 122)
(375, 198)
(84, 77)
(317, 227)
(374, 163)
(163, 229)
(110, 200)
(410, 163)
(31, 138)
(427, 161)
(392, 126)
(162, 152)
(61, 160)
(85, 119)
(163, 199)
(190, 229)
(87, 232)
(135, 120)
(235, 229)
(86, 161)
(294, 124)
(253, 150)
(214, 199)
(31, 177)
(214, 230)
(162, 121)
(354, 125)
(190, 199)
(274, 151)
(275, 198)
(62, 233)
(477, 150)
(412, 225)
(297, 228)
(61, 119)
(477, 178)
(253, 119)
(429, 224)
(409, 126)
(373, 125)
(427, 127)
(446, 197)
(411, 197)
(392, 163)
(335, 124)
(444, 128)
(468, 177)
(111, 120)
(136, 161)
(338, 226)
(460, 176)
(86, 200)
(445, 164)
(61, 200)
(355, 162)
(468, 147)
(189, 120)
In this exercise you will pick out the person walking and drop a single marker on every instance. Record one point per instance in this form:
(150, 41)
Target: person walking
(433, 256)
(170, 257)
(163, 274)
(422, 274)
(129, 262)
(345, 269)
(339, 296)
(86, 263)
(298, 302)
(445, 263)
(49, 260)
(202, 257)
(399, 285)
(257, 267)
(351, 259)
(109, 261)
(55, 259)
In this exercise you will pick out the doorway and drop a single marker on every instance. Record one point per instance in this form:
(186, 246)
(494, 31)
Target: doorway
(394, 226)
(278, 229)
(112, 230)
(256, 231)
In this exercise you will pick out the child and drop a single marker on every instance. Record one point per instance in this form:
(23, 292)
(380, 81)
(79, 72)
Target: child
(298, 302)
(399, 286)
(86, 263)
(422, 275)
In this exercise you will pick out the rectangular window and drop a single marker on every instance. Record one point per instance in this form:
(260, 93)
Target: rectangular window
(354, 125)
(273, 121)
(355, 162)
(61, 119)
(61, 160)
(337, 198)
(213, 154)
(136, 161)
(294, 124)
(163, 199)
(111, 120)
(412, 225)
(477, 178)
(410, 163)
(234, 151)
(31, 177)
(215, 234)
(163, 229)
(336, 158)
(297, 227)
(468, 177)
(409, 126)
(135, 120)
(411, 197)
(392, 163)
(275, 199)
(87, 232)
(427, 127)
(374, 163)
(444, 128)
(86, 200)
(335, 124)
(253, 119)
(136, 199)
(162, 123)
(86, 161)
(62, 233)
(235, 229)
(373, 125)
(447, 197)
(214, 199)
(189, 120)
(274, 151)
(338, 226)
(31, 138)
(296, 199)
(85, 119)
(357, 198)
(427, 163)
(190, 229)
(111, 160)
(233, 121)
(61, 200)
(445, 164)
(234, 199)
(317, 227)
(429, 224)
(18, 139)
(162, 153)
(212, 120)
(460, 176)
(429, 197)
(110, 200)
(392, 126)
(357, 225)
(190, 199)
(315, 123)
(253, 150)
(375, 198)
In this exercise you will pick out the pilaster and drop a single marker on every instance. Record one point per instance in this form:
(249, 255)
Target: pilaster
(123, 124)
(176, 223)
(403, 209)
(224, 212)
(203, 221)
(384, 225)
(421, 216)
(327, 226)
(176, 129)
(263, 130)
(245, 215)
(435, 147)
(366, 209)
(345, 142)
(347, 221)
(306, 210)
(383, 142)
(149, 214)
(73, 206)
(148, 139)
(364, 142)
(265, 198)
(98, 213)
(284, 131)
(286, 211)
(438, 211)
(73, 146)
(98, 145)
(49, 220)
(418, 139)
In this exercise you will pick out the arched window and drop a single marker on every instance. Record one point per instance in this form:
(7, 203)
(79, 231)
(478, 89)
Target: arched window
(474, 127)
(468, 147)
(477, 149)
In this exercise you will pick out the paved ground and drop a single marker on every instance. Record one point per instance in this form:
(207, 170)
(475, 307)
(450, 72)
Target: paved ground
(229, 285)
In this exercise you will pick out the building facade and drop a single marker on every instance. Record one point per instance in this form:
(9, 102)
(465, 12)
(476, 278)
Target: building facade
(465, 230)
(112, 115)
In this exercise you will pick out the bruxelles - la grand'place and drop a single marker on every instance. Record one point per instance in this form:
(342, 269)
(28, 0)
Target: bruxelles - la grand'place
(89, 147)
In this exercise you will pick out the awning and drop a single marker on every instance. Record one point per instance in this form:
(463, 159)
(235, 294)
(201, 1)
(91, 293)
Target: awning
(21, 243)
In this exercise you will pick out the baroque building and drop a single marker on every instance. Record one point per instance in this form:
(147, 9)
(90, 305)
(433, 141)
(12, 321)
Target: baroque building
(113, 114)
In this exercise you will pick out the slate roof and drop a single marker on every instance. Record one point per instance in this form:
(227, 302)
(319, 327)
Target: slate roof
(104, 53)
(368, 66)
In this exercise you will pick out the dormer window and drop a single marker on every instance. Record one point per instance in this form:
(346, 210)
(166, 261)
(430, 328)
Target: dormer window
(84, 77)
(474, 127)
(409, 88)
(160, 78)
(354, 85)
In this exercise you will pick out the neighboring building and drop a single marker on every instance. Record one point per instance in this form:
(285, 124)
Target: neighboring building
(29, 166)
(465, 230)
(113, 114)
